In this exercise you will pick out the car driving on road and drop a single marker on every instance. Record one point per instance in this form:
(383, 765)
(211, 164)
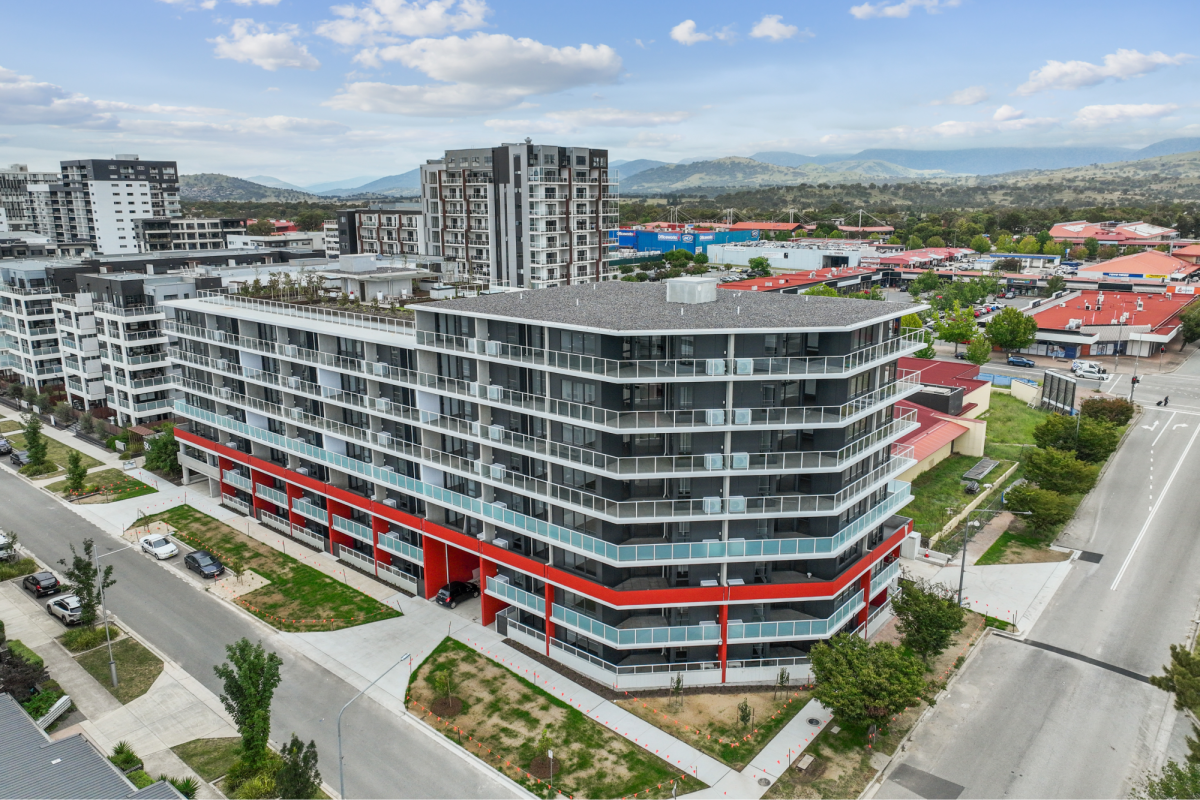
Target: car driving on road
(67, 608)
(158, 546)
(204, 564)
(452, 592)
(1021, 361)
(41, 584)
(1091, 374)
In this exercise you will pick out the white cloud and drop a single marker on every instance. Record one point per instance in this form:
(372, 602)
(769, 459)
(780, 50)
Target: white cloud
(1007, 112)
(1098, 116)
(568, 121)
(208, 5)
(256, 127)
(648, 139)
(24, 101)
(482, 73)
(1121, 65)
(686, 33)
(250, 42)
(256, 2)
(901, 9)
(907, 134)
(773, 27)
(390, 20)
(970, 96)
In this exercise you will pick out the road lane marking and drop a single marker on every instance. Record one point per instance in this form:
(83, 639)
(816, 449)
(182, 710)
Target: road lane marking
(1164, 430)
(1154, 510)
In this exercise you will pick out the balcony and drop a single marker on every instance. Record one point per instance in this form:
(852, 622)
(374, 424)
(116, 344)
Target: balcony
(310, 537)
(355, 529)
(313, 512)
(277, 497)
(153, 405)
(237, 479)
(398, 578)
(401, 548)
(636, 637)
(234, 503)
(884, 577)
(274, 521)
(231, 304)
(358, 559)
(148, 358)
(131, 312)
(786, 630)
(514, 596)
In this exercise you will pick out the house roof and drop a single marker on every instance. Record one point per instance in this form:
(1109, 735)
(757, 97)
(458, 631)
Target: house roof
(1147, 262)
(866, 228)
(791, 280)
(1128, 231)
(944, 373)
(925, 255)
(934, 431)
(765, 226)
(1190, 250)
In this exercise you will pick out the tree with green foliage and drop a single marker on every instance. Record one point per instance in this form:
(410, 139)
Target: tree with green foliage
(980, 244)
(1012, 330)
(1107, 252)
(311, 220)
(1092, 246)
(928, 616)
(625, 269)
(865, 683)
(1046, 508)
(86, 582)
(250, 678)
(957, 326)
(1095, 441)
(873, 293)
(1053, 249)
(927, 351)
(1009, 265)
(1182, 678)
(822, 290)
(927, 281)
(677, 255)
(1060, 471)
(262, 227)
(29, 394)
(935, 241)
(87, 423)
(63, 414)
(163, 453)
(700, 258)
(914, 243)
(1174, 782)
(299, 777)
(1004, 244)
(1078, 253)
(760, 267)
(979, 350)
(1043, 238)
(1055, 284)
(1028, 246)
(911, 321)
(35, 442)
(1116, 410)
(76, 472)
(1190, 324)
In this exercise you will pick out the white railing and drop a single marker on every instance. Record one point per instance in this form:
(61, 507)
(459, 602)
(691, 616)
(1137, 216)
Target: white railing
(355, 529)
(274, 495)
(519, 597)
(794, 628)
(355, 557)
(274, 521)
(635, 637)
(233, 502)
(307, 509)
(238, 480)
(305, 535)
(884, 577)
(313, 312)
(399, 547)
(398, 578)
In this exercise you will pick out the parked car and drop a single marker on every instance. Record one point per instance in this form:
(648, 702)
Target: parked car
(1009, 295)
(158, 546)
(203, 564)
(1021, 361)
(19, 458)
(67, 608)
(5, 446)
(961, 355)
(7, 551)
(1090, 374)
(452, 592)
(41, 584)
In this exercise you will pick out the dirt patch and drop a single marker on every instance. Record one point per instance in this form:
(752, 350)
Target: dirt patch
(447, 706)
(540, 767)
(1016, 553)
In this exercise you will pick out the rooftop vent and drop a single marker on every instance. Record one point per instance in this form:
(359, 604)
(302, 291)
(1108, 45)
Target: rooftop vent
(692, 290)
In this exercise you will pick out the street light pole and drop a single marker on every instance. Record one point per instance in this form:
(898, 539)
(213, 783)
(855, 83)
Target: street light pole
(962, 568)
(112, 662)
(341, 768)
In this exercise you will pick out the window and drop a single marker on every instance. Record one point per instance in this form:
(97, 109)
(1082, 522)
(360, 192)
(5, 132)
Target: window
(578, 436)
(578, 391)
(578, 342)
(581, 161)
(578, 479)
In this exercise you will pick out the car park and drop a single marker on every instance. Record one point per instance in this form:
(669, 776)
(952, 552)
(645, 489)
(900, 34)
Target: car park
(67, 608)
(5, 446)
(41, 584)
(158, 546)
(19, 458)
(1021, 361)
(204, 564)
(452, 592)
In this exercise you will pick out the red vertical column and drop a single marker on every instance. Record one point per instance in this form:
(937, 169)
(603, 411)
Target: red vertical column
(380, 525)
(436, 574)
(490, 606)
(723, 647)
(865, 583)
(223, 464)
(294, 492)
(258, 503)
(549, 621)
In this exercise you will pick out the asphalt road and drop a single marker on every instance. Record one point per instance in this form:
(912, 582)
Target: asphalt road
(385, 756)
(1075, 717)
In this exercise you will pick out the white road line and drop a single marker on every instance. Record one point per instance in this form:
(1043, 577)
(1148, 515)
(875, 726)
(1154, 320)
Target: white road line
(1164, 430)
(1154, 510)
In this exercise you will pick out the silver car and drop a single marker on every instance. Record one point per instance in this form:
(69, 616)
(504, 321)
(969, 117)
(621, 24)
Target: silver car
(159, 546)
(66, 607)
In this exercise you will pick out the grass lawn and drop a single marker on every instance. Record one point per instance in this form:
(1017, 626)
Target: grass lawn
(1010, 423)
(9, 425)
(938, 489)
(56, 452)
(493, 709)
(210, 758)
(297, 592)
(137, 668)
(709, 722)
(115, 484)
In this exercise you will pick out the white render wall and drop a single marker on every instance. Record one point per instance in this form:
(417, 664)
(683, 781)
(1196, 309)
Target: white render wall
(115, 205)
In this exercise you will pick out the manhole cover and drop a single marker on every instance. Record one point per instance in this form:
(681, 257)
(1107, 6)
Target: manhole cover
(763, 782)
(816, 723)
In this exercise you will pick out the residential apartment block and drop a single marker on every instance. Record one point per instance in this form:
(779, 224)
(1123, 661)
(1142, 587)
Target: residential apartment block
(29, 346)
(14, 196)
(155, 234)
(395, 229)
(645, 478)
(522, 215)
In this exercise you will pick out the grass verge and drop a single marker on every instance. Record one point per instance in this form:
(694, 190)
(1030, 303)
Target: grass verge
(298, 598)
(9, 425)
(137, 668)
(17, 569)
(938, 493)
(500, 717)
(210, 758)
(56, 452)
(115, 484)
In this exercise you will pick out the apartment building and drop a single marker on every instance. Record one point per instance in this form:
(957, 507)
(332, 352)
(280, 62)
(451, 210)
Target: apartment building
(333, 249)
(522, 215)
(99, 200)
(299, 240)
(396, 229)
(645, 478)
(14, 196)
(155, 234)
(29, 345)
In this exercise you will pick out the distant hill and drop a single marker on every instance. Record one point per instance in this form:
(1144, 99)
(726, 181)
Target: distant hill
(627, 169)
(406, 184)
(345, 183)
(275, 183)
(1169, 177)
(745, 172)
(213, 186)
(781, 159)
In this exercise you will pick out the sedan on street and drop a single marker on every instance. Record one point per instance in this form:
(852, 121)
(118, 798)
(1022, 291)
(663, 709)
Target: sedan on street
(1021, 361)
(67, 608)
(452, 592)
(19, 458)
(41, 584)
(158, 546)
(203, 564)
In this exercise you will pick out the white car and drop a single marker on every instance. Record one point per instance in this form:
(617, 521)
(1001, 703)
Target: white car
(1080, 363)
(1091, 374)
(66, 607)
(158, 546)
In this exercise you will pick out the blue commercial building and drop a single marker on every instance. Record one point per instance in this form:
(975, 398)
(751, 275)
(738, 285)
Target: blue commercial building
(695, 241)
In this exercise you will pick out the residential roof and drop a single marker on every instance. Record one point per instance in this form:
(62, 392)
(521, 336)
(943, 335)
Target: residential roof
(621, 306)
(1158, 310)
(765, 226)
(926, 255)
(33, 766)
(791, 280)
(1190, 250)
(1127, 231)
(1147, 262)
(944, 373)
(934, 431)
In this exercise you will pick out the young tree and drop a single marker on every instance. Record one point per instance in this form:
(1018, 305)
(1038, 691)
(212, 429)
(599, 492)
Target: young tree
(1009, 265)
(1095, 441)
(29, 394)
(1012, 330)
(821, 290)
(928, 616)
(1091, 246)
(1190, 327)
(958, 326)
(18, 677)
(299, 777)
(1028, 246)
(1004, 244)
(1078, 253)
(1046, 508)
(250, 679)
(927, 281)
(935, 241)
(76, 472)
(87, 423)
(914, 243)
(927, 351)
(1055, 284)
(865, 683)
(35, 441)
(1107, 252)
(1053, 249)
(760, 267)
(15, 391)
(1060, 471)
(979, 351)
(163, 454)
(85, 582)
(980, 244)
(1183, 679)
(699, 258)
(63, 414)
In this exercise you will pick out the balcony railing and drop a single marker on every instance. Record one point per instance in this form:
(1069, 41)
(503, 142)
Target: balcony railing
(398, 578)
(238, 480)
(884, 577)
(131, 311)
(796, 628)
(355, 529)
(233, 502)
(623, 638)
(148, 358)
(401, 548)
(305, 535)
(633, 669)
(355, 557)
(277, 497)
(274, 521)
(515, 596)
(153, 405)
(313, 512)
(309, 312)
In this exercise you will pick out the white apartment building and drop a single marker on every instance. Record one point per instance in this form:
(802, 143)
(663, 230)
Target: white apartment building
(304, 240)
(522, 215)
(155, 234)
(29, 343)
(332, 242)
(15, 204)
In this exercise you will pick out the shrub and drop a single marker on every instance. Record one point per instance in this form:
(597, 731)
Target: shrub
(18, 648)
(34, 470)
(140, 779)
(87, 423)
(1060, 471)
(1116, 410)
(15, 569)
(1047, 509)
(1094, 443)
(81, 639)
(40, 704)
(240, 773)
(188, 787)
(260, 787)
(123, 755)
(19, 677)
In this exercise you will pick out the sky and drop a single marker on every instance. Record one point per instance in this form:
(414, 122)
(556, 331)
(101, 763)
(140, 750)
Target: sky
(309, 91)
